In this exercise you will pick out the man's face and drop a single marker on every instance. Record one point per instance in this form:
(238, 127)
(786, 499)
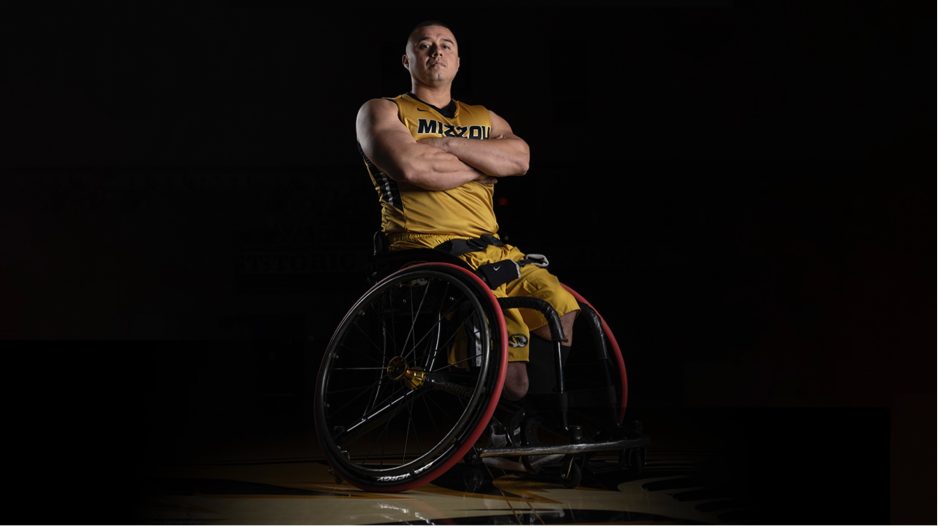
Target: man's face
(431, 55)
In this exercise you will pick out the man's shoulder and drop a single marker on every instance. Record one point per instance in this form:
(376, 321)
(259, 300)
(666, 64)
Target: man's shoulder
(380, 101)
(379, 105)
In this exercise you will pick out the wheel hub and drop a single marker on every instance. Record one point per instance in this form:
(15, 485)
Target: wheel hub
(398, 370)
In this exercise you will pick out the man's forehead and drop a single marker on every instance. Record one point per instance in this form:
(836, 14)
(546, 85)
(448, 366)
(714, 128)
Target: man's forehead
(432, 32)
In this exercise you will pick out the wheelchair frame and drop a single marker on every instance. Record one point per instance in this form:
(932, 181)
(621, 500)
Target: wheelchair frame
(397, 381)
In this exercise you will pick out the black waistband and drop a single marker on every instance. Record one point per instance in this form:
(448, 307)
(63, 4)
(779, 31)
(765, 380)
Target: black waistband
(459, 246)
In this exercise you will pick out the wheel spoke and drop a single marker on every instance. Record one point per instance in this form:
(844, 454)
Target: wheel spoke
(349, 402)
(414, 317)
(442, 368)
(432, 356)
(349, 389)
(430, 414)
(378, 387)
(366, 335)
(428, 332)
(411, 413)
(368, 422)
(453, 334)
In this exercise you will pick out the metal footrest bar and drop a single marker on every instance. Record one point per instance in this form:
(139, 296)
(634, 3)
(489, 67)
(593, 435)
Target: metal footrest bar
(574, 448)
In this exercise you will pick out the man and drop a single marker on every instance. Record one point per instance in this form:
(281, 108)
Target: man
(434, 162)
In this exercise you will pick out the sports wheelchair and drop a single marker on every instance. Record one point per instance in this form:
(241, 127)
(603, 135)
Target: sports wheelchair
(412, 376)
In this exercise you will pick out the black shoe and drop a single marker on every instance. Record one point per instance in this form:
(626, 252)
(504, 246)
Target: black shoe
(497, 436)
(505, 428)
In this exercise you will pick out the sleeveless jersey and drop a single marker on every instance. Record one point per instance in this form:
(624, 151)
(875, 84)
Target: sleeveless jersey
(465, 211)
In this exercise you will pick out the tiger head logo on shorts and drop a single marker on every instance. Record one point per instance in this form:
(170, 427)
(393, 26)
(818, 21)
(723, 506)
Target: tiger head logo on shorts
(518, 341)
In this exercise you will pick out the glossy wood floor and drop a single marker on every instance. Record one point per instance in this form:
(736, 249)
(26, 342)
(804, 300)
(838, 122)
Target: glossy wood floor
(303, 491)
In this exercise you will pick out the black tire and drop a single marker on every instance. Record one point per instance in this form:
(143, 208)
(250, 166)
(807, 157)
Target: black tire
(411, 377)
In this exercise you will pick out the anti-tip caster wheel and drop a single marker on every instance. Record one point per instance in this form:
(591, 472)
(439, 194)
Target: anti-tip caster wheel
(570, 473)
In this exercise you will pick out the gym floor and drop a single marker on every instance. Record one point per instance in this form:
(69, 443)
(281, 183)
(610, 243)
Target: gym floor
(301, 490)
(707, 465)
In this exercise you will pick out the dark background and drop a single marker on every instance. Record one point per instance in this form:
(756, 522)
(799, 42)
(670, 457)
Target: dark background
(747, 192)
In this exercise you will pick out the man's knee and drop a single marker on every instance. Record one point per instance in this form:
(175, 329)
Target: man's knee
(567, 326)
(517, 381)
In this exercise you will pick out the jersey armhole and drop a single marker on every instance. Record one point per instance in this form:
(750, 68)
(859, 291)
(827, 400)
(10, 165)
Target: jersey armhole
(401, 118)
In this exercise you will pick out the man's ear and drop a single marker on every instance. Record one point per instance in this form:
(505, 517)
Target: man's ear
(404, 61)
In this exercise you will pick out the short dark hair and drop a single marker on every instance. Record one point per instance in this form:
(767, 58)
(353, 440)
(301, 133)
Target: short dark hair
(427, 23)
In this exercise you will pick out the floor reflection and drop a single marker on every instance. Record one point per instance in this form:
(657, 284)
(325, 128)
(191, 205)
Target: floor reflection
(304, 492)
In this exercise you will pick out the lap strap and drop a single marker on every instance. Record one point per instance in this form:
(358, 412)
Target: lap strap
(497, 273)
(460, 246)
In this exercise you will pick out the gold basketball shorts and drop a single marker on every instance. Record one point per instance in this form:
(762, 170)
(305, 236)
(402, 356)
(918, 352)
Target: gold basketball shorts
(533, 281)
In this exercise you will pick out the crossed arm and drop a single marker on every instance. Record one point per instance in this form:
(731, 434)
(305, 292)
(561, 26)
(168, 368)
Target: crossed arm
(438, 163)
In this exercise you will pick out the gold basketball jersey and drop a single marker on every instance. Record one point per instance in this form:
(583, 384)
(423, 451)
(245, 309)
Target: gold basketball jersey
(465, 211)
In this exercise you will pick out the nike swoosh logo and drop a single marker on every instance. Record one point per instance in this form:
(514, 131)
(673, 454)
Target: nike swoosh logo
(496, 267)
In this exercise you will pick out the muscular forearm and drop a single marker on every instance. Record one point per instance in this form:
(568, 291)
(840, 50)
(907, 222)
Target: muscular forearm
(434, 169)
(496, 157)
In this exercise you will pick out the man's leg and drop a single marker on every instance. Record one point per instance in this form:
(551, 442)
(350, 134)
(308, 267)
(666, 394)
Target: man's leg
(517, 381)
(517, 376)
